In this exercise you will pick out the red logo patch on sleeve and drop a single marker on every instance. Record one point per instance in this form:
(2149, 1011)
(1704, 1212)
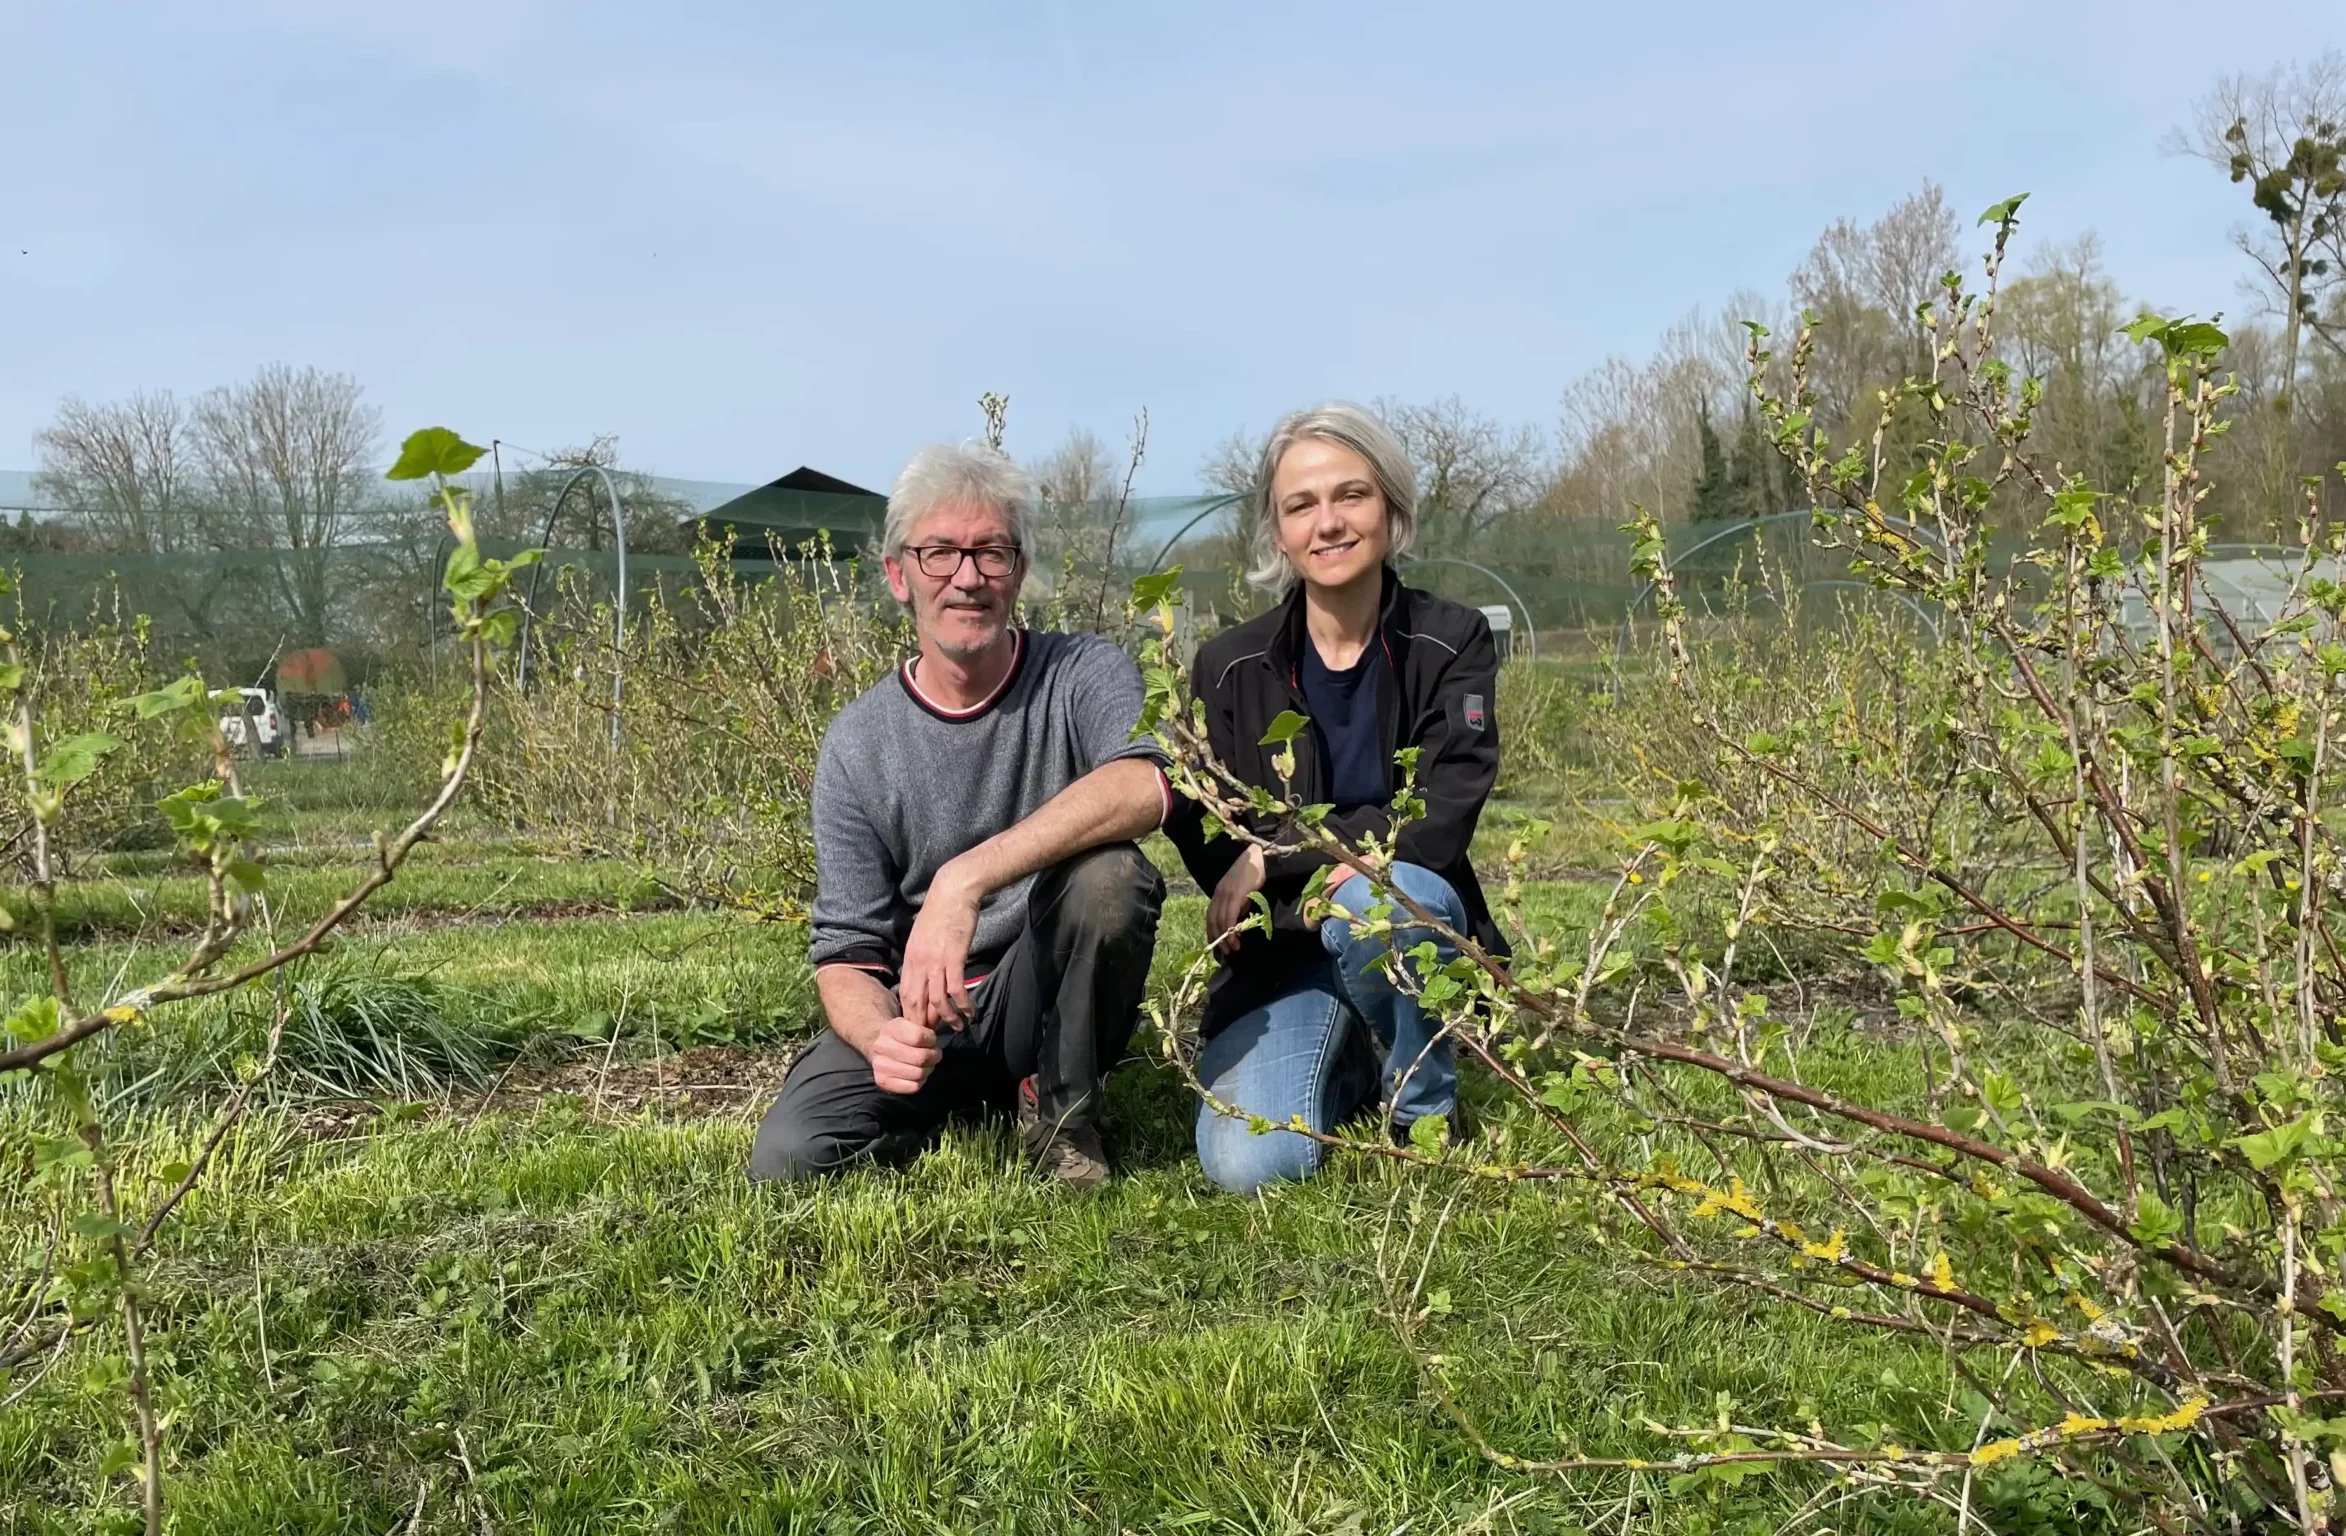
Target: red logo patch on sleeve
(1474, 711)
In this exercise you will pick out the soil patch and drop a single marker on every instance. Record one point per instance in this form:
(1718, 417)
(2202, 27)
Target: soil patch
(700, 1081)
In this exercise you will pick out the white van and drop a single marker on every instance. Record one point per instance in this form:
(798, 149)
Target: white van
(266, 733)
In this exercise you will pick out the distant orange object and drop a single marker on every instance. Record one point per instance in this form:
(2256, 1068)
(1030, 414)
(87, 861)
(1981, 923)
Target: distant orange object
(315, 670)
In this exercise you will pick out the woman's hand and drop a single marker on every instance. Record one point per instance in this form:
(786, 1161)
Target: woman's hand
(1227, 909)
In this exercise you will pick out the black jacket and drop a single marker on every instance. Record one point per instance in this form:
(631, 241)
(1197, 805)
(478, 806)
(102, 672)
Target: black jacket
(1441, 697)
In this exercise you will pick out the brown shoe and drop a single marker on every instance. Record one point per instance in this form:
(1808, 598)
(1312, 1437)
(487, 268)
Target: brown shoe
(1072, 1154)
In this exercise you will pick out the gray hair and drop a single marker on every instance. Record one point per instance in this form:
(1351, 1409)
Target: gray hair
(1356, 429)
(943, 475)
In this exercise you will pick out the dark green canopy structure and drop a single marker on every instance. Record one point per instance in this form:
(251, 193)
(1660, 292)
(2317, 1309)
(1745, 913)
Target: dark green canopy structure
(799, 508)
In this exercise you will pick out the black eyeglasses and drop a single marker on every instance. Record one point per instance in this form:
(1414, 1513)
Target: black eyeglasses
(939, 561)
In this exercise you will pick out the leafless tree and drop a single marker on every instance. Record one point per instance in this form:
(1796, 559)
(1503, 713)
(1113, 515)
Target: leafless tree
(1865, 283)
(1077, 471)
(2061, 321)
(2283, 134)
(1472, 471)
(286, 457)
(1231, 465)
(1631, 432)
(127, 473)
(1076, 484)
(125, 469)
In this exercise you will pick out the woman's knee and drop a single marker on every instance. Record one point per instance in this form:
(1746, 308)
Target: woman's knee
(1359, 895)
(1240, 1161)
(1420, 884)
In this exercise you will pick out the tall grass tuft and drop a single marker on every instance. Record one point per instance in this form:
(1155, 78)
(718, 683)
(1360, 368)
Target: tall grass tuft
(352, 1030)
(368, 1033)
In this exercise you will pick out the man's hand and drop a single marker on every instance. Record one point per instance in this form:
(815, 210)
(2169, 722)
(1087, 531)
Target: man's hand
(930, 986)
(902, 1054)
(1229, 905)
(901, 1051)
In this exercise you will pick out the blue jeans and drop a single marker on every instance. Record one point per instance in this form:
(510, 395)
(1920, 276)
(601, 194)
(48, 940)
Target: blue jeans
(1289, 1057)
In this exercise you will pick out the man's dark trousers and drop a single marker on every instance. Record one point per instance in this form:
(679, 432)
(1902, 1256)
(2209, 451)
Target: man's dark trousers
(1060, 1007)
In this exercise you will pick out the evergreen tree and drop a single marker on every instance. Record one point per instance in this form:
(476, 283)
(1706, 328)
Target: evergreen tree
(1755, 478)
(1713, 486)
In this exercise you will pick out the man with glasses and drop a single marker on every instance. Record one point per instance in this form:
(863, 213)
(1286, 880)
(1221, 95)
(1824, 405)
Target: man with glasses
(982, 919)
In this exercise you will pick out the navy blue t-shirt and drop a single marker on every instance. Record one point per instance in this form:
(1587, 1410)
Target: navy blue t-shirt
(1344, 716)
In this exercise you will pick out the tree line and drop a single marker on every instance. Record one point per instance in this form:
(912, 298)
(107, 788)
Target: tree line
(255, 519)
(1675, 434)
(266, 525)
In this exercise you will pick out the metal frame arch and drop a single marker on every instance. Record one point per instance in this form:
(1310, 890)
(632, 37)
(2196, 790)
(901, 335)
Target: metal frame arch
(1531, 626)
(1743, 529)
(1912, 606)
(1208, 510)
(619, 608)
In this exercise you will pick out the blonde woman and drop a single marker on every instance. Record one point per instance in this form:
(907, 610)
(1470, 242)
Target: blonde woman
(1296, 1018)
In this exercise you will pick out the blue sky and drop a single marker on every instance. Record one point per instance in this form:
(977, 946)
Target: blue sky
(745, 236)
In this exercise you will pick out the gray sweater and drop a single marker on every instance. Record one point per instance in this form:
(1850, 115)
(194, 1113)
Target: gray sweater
(902, 786)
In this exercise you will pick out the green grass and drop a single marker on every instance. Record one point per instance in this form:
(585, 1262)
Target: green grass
(454, 884)
(630, 1337)
(633, 1338)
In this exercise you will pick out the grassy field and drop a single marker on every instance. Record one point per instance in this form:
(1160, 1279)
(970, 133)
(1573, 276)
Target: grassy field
(487, 1261)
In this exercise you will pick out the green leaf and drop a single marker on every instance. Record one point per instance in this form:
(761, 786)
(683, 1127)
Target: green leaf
(464, 577)
(2183, 337)
(60, 1151)
(2281, 1144)
(1286, 728)
(36, 1019)
(1428, 1133)
(2073, 504)
(2087, 1109)
(1926, 901)
(179, 694)
(2195, 339)
(2003, 212)
(202, 817)
(75, 758)
(1675, 836)
(2002, 1094)
(433, 451)
(99, 1227)
(2158, 1224)
(1154, 588)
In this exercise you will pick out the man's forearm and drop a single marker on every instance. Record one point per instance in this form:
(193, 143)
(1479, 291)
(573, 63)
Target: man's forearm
(1114, 803)
(856, 1004)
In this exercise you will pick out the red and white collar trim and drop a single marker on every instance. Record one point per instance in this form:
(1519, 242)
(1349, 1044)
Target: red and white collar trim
(1017, 659)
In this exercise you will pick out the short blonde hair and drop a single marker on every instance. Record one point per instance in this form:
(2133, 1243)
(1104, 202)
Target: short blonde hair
(1364, 434)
